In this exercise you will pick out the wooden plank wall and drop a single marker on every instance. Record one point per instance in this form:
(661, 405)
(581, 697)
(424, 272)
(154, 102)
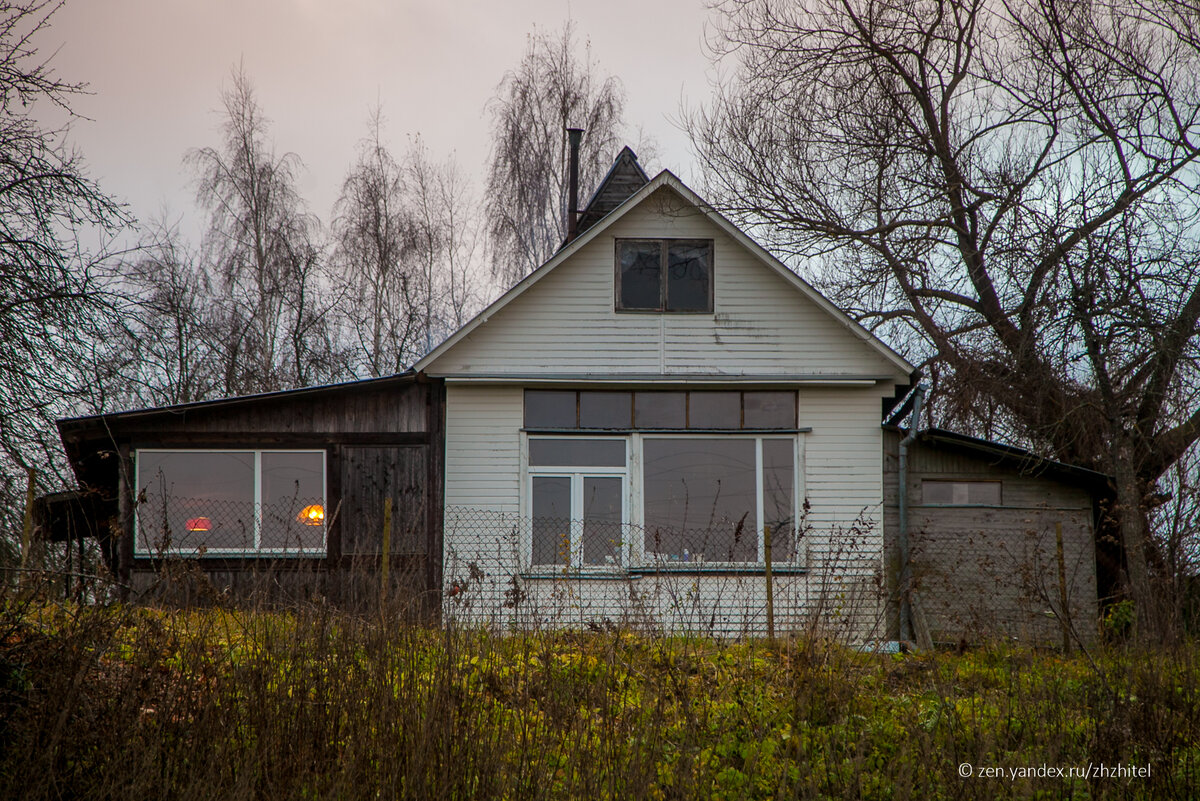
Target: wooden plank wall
(991, 571)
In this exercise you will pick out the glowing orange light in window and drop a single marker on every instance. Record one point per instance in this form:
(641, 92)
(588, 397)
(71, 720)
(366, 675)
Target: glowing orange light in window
(199, 524)
(313, 515)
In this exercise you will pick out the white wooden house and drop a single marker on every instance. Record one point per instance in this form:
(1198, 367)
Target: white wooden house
(625, 425)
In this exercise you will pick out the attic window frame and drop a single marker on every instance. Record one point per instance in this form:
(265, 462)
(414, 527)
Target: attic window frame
(664, 262)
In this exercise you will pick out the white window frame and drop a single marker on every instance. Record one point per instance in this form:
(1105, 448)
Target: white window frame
(798, 490)
(633, 552)
(257, 550)
(577, 474)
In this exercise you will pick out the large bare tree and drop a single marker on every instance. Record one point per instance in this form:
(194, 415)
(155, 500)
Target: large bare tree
(1016, 184)
(263, 248)
(55, 299)
(552, 89)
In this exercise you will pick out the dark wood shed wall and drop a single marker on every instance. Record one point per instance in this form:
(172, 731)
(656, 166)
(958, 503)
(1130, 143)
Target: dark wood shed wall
(983, 571)
(382, 440)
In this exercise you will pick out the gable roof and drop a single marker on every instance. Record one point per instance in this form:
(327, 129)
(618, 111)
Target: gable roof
(623, 178)
(668, 180)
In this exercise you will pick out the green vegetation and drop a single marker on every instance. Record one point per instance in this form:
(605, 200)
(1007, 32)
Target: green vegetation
(313, 703)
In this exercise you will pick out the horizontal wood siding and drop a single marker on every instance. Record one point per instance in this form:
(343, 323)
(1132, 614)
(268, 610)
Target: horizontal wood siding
(840, 593)
(566, 322)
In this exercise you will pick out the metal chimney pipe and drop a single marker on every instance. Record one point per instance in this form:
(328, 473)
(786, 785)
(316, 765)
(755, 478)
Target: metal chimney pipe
(573, 137)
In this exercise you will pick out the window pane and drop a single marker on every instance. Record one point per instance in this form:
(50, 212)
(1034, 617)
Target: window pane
(700, 499)
(551, 520)
(770, 410)
(549, 409)
(714, 410)
(779, 479)
(195, 500)
(961, 493)
(601, 520)
(660, 409)
(579, 452)
(605, 409)
(293, 500)
(640, 269)
(688, 272)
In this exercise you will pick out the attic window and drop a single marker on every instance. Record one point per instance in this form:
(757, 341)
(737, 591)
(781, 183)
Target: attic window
(672, 275)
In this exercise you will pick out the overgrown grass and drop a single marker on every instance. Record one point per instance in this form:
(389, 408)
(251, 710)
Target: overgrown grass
(312, 703)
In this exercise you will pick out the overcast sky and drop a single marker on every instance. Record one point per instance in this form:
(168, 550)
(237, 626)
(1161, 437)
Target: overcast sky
(156, 69)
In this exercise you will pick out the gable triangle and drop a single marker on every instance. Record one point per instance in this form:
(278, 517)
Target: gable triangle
(624, 177)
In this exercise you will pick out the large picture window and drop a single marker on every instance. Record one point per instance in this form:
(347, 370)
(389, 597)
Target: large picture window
(715, 499)
(698, 501)
(214, 503)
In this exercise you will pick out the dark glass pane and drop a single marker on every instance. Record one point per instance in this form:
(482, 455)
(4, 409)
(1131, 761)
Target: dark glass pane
(640, 266)
(195, 501)
(660, 409)
(770, 410)
(605, 409)
(549, 409)
(689, 270)
(714, 410)
(601, 520)
(579, 452)
(551, 520)
(700, 498)
(961, 493)
(293, 501)
(779, 480)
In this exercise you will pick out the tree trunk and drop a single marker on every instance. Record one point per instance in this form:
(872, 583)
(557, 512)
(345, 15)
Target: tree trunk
(1135, 534)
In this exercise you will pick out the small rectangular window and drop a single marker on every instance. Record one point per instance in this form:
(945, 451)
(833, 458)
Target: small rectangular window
(960, 493)
(770, 410)
(673, 275)
(605, 409)
(578, 452)
(715, 410)
(550, 409)
(660, 409)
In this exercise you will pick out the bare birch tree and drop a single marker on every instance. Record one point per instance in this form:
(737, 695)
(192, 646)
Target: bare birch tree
(407, 248)
(552, 89)
(263, 247)
(1015, 184)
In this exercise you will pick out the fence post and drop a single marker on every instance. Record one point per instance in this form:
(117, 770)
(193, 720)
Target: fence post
(770, 583)
(1063, 610)
(387, 551)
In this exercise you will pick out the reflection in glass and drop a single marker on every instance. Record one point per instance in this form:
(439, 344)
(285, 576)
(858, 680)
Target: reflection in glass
(688, 272)
(640, 266)
(779, 482)
(290, 483)
(700, 497)
(195, 501)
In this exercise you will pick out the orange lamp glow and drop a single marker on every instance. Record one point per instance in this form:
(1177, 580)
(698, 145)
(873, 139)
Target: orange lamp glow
(313, 515)
(199, 524)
